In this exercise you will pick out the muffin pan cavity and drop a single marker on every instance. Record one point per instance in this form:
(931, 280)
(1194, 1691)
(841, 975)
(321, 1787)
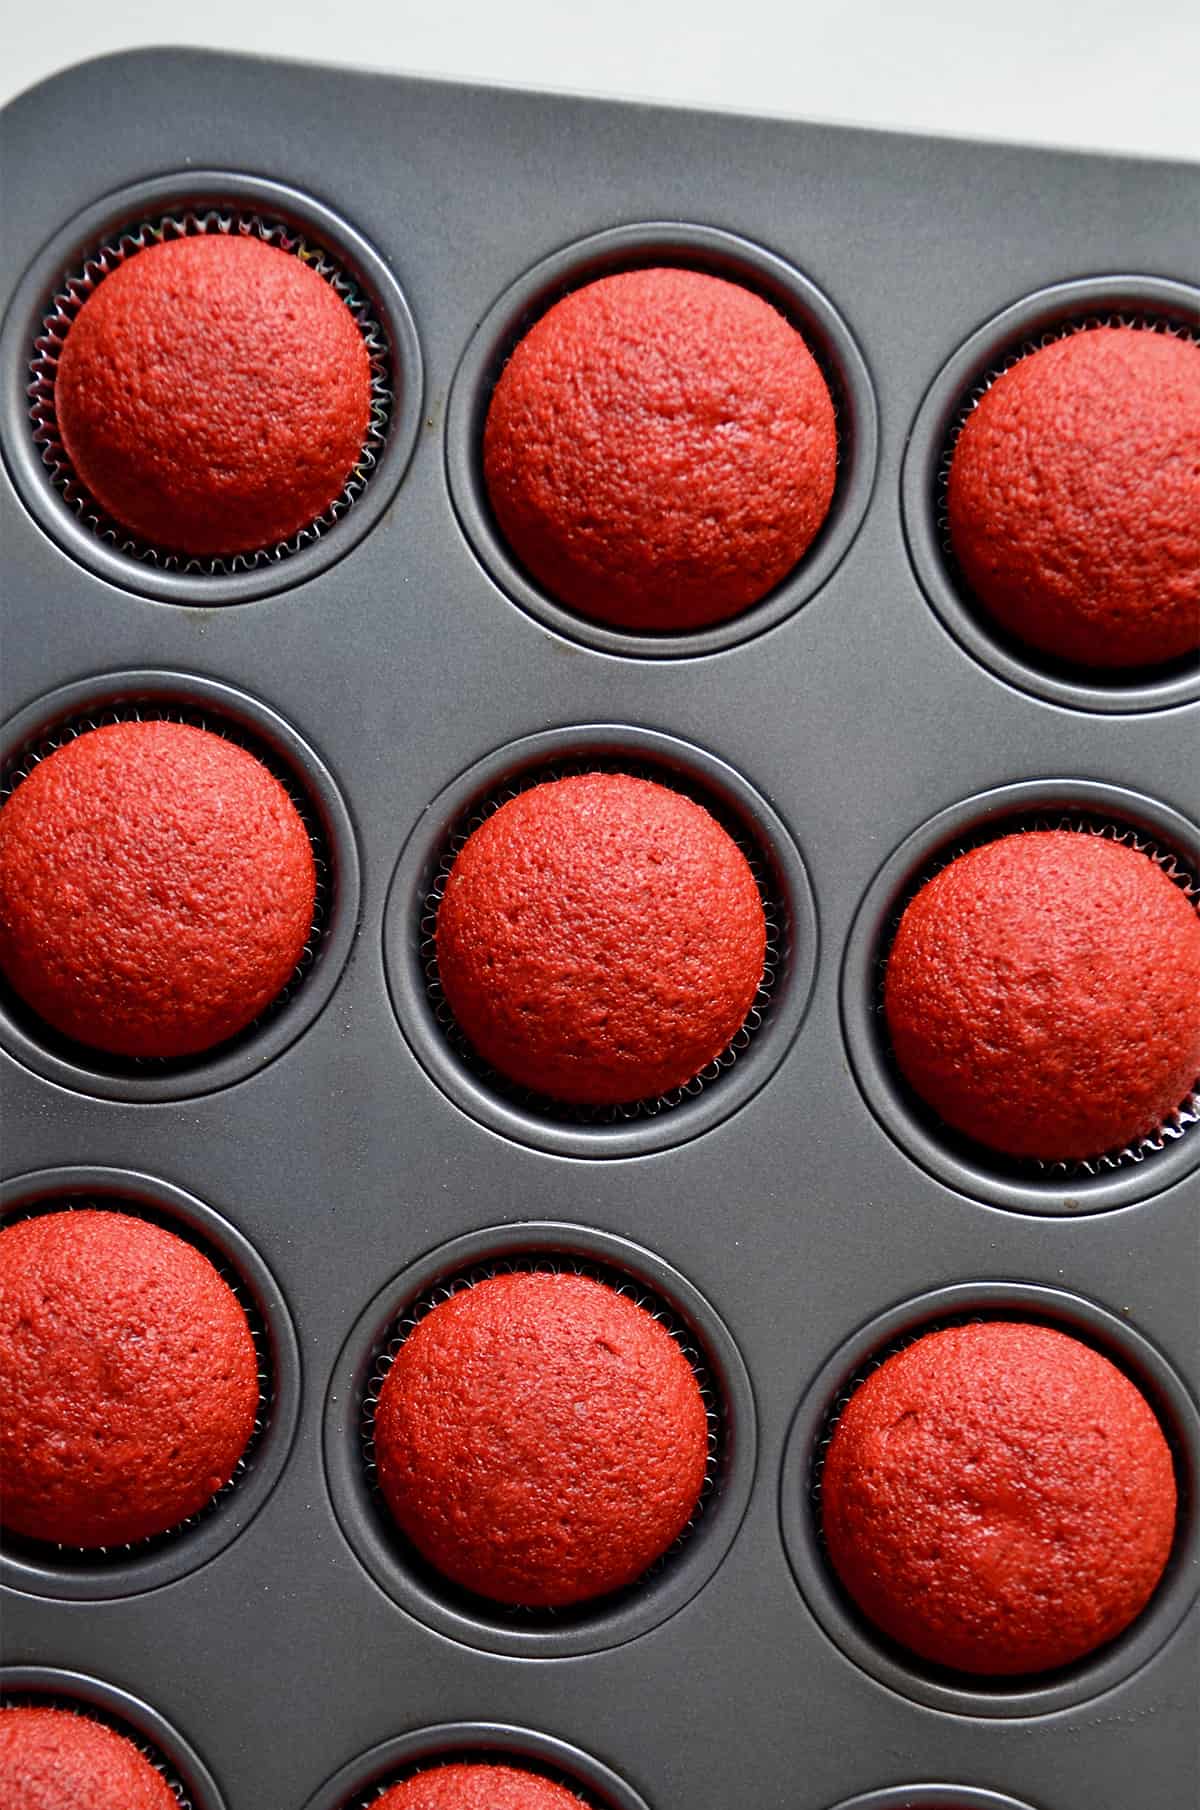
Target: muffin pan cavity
(53, 721)
(350, 1457)
(643, 246)
(1113, 1179)
(1153, 304)
(640, 1125)
(357, 1785)
(89, 1575)
(167, 1751)
(70, 269)
(800, 1499)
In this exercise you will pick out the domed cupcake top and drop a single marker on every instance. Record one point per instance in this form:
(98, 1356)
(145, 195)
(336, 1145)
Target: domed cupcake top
(1074, 498)
(53, 1759)
(660, 450)
(476, 1785)
(999, 1498)
(1042, 994)
(213, 394)
(157, 887)
(601, 939)
(128, 1375)
(541, 1438)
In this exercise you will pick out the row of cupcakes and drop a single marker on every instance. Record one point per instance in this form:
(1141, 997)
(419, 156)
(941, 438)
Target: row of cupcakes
(602, 941)
(64, 1738)
(558, 1439)
(656, 454)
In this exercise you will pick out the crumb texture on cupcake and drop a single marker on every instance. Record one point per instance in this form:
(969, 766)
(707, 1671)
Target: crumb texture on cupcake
(54, 1759)
(128, 1375)
(601, 939)
(999, 1498)
(157, 888)
(213, 394)
(660, 450)
(1043, 995)
(478, 1785)
(1074, 498)
(541, 1439)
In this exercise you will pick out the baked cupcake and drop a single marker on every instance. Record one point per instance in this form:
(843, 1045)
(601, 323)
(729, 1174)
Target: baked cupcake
(55, 1759)
(157, 888)
(601, 939)
(213, 394)
(660, 450)
(1043, 995)
(128, 1376)
(541, 1439)
(1074, 500)
(478, 1786)
(999, 1498)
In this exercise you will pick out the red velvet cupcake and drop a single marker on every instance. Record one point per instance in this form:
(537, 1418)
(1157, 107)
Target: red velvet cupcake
(1043, 995)
(601, 939)
(478, 1786)
(128, 1376)
(1074, 498)
(541, 1439)
(660, 450)
(157, 888)
(214, 394)
(999, 1498)
(53, 1759)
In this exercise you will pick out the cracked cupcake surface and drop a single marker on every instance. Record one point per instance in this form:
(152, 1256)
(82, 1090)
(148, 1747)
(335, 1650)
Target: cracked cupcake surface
(601, 939)
(128, 1374)
(999, 1498)
(660, 450)
(541, 1439)
(213, 394)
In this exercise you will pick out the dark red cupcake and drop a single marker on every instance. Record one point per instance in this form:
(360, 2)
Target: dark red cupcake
(660, 450)
(1043, 994)
(213, 394)
(156, 889)
(601, 939)
(541, 1439)
(478, 1786)
(999, 1498)
(128, 1375)
(1074, 498)
(53, 1759)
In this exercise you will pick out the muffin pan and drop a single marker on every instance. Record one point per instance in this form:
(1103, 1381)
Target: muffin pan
(795, 1214)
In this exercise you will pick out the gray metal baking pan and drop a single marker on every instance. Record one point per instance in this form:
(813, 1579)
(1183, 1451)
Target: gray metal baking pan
(799, 1210)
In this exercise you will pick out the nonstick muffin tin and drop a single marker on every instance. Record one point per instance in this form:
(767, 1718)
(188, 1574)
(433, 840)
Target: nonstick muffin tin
(795, 1214)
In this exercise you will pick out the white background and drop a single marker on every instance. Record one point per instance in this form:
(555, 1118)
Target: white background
(1102, 75)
